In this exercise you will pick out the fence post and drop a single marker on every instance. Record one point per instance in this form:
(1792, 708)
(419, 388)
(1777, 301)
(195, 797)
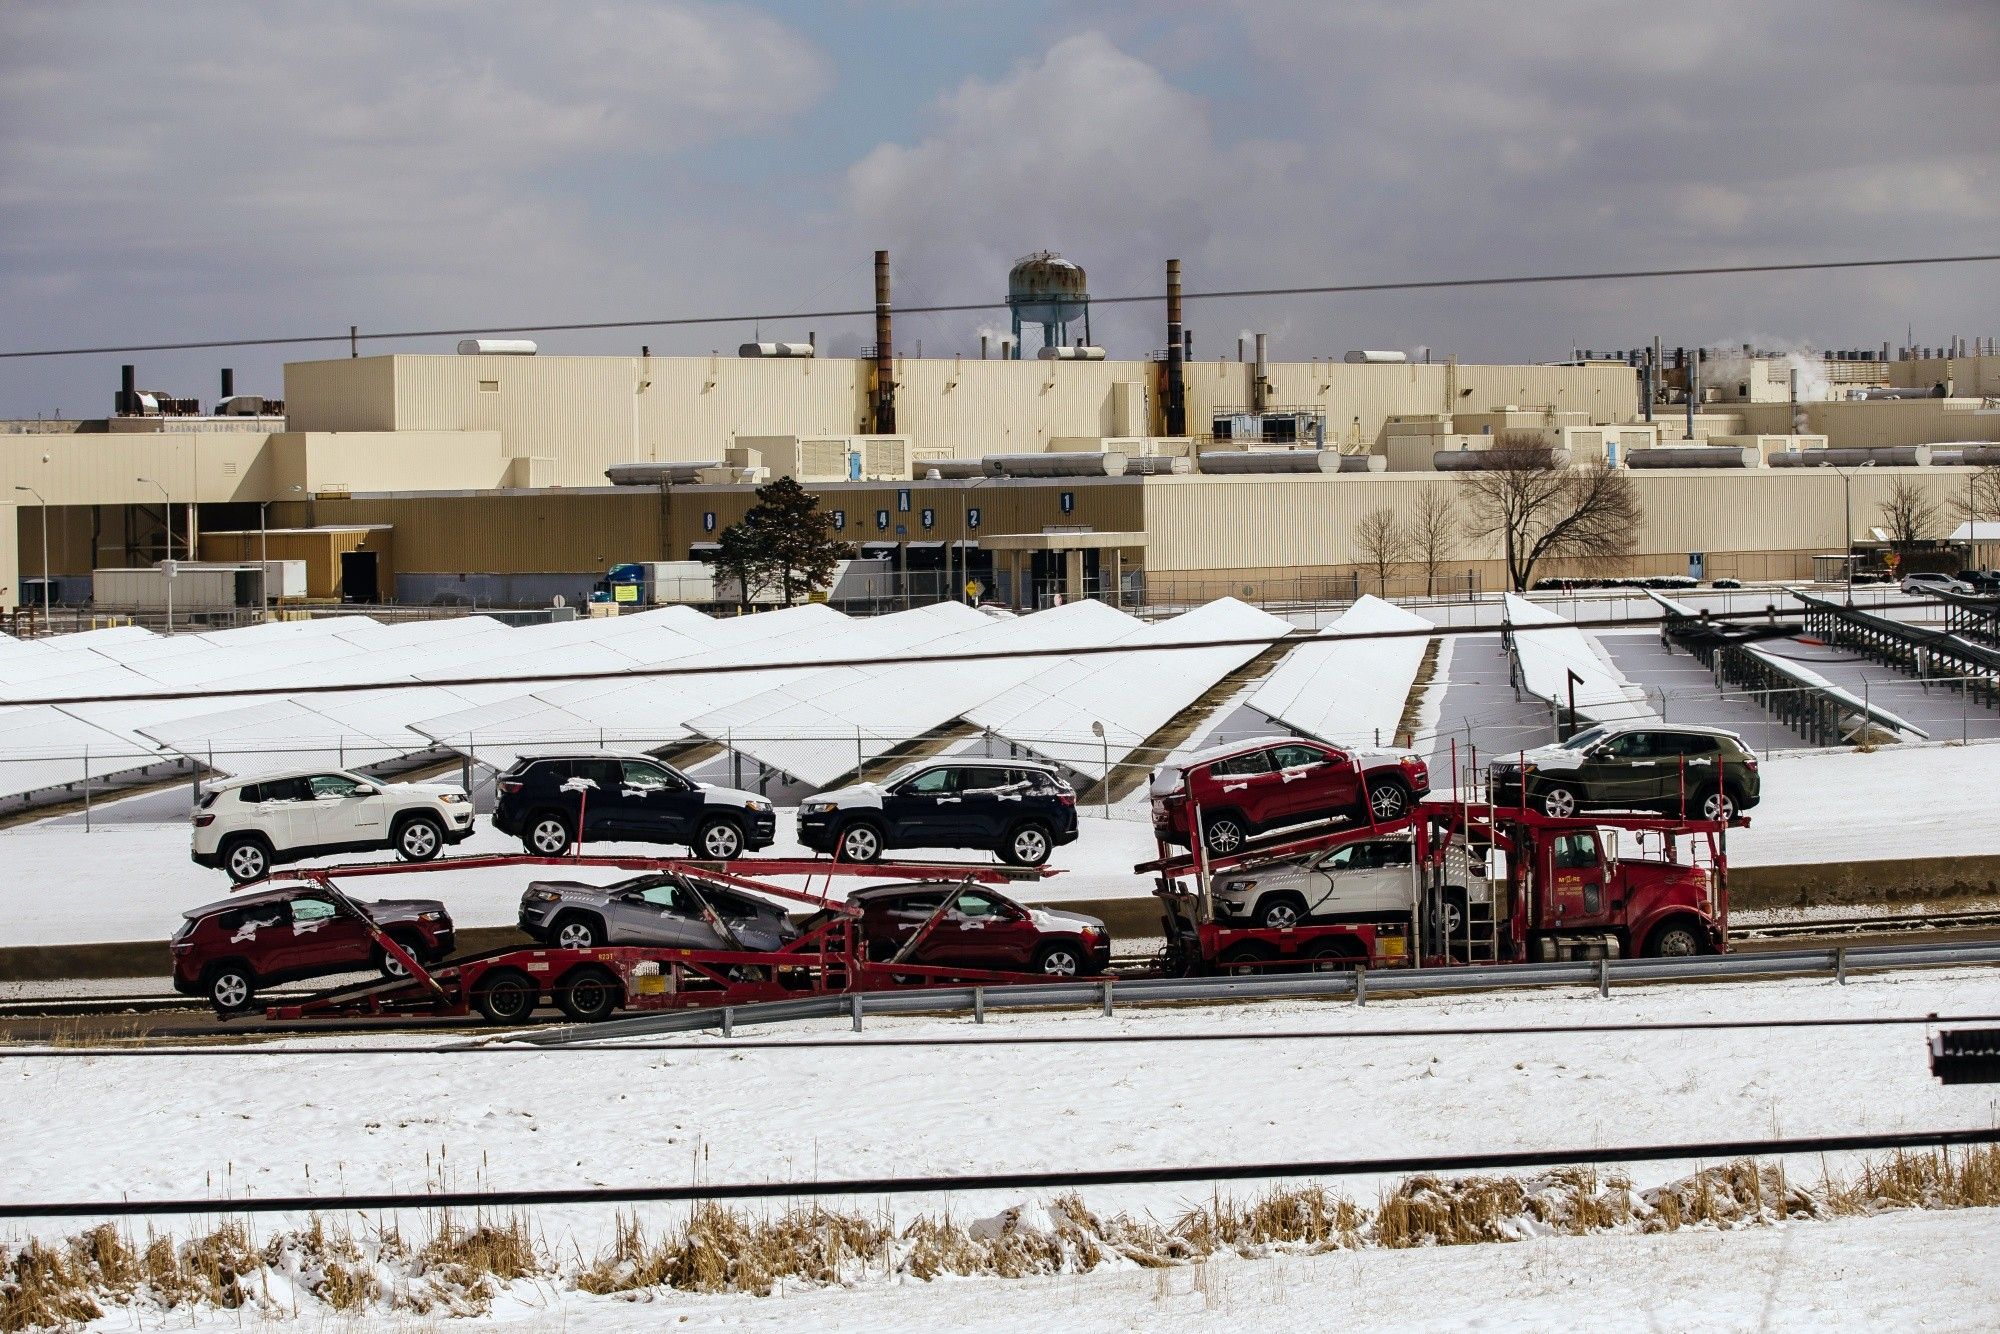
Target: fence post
(979, 1005)
(858, 760)
(1107, 998)
(1840, 964)
(86, 788)
(1604, 977)
(854, 1005)
(1361, 985)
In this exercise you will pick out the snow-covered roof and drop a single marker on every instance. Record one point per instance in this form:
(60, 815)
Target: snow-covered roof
(1982, 530)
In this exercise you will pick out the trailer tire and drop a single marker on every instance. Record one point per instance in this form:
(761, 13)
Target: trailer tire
(1677, 939)
(385, 962)
(548, 835)
(1558, 801)
(419, 838)
(719, 837)
(1028, 844)
(576, 931)
(1334, 955)
(1244, 956)
(1281, 912)
(860, 841)
(589, 994)
(230, 988)
(1388, 801)
(506, 996)
(1224, 834)
(246, 857)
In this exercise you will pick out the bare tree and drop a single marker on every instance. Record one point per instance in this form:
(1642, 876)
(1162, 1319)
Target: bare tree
(1434, 527)
(1908, 515)
(1980, 501)
(1382, 541)
(1537, 507)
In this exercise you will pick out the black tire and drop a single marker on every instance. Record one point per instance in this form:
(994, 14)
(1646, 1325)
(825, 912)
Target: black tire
(1388, 801)
(1281, 912)
(1243, 957)
(576, 931)
(1027, 844)
(1676, 940)
(1333, 955)
(231, 988)
(548, 834)
(419, 838)
(1224, 835)
(1060, 958)
(246, 857)
(860, 841)
(589, 995)
(385, 962)
(719, 837)
(506, 996)
(1558, 800)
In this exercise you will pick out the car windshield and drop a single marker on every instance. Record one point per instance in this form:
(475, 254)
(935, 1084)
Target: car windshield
(1585, 739)
(902, 773)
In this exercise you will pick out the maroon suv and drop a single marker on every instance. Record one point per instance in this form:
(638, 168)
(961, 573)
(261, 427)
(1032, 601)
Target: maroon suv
(226, 951)
(979, 928)
(1249, 788)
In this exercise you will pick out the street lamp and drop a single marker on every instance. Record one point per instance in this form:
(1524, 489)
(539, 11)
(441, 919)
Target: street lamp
(167, 565)
(965, 540)
(45, 552)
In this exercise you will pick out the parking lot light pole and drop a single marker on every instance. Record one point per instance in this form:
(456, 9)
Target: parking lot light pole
(45, 552)
(166, 566)
(1104, 787)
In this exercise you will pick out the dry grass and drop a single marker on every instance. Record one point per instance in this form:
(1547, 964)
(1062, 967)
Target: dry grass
(459, 1269)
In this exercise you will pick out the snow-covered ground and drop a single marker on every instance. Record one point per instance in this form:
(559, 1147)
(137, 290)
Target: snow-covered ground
(132, 881)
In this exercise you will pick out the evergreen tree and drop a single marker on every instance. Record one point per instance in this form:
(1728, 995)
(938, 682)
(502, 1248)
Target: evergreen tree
(783, 540)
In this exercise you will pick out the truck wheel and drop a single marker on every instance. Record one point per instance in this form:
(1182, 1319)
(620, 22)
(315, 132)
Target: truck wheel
(1027, 845)
(230, 988)
(1334, 955)
(1058, 959)
(419, 838)
(548, 835)
(1224, 835)
(1244, 957)
(719, 837)
(1388, 800)
(1675, 940)
(577, 931)
(506, 997)
(1718, 803)
(588, 995)
(1281, 912)
(1558, 801)
(246, 857)
(860, 841)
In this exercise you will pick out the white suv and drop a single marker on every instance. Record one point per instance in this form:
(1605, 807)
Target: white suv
(1371, 881)
(249, 825)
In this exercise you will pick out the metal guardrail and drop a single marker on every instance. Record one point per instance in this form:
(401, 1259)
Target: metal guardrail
(1359, 985)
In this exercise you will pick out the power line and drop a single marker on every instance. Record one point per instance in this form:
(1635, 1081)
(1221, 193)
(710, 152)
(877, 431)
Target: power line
(1246, 293)
(1410, 1165)
(877, 660)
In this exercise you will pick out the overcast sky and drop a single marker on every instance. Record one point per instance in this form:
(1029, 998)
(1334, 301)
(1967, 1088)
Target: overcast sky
(214, 170)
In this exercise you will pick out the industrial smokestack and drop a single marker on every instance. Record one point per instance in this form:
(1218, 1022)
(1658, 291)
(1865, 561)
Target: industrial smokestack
(1693, 389)
(982, 346)
(1177, 350)
(1646, 373)
(128, 391)
(1262, 386)
(228, 382)
(885, 366)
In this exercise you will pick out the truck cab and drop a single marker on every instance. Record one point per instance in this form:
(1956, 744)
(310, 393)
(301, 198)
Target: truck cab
(1577, 897)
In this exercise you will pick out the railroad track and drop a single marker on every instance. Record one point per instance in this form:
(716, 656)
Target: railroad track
(1836, 928)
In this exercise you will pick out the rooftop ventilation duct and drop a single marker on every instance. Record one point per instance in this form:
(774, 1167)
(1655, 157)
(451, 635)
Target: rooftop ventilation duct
(1077, 352)
(1054, 465)
(658, 474)
(1691, 456)
(1220, 462)
(777, 350)
(1881, 456)
(496, 347)
(1489, 460)
(1363, 357)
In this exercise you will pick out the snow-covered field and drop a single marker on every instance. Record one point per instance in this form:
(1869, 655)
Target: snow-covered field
(132, 881)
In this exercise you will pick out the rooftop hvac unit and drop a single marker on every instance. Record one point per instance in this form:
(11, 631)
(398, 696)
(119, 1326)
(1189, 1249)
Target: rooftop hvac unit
(496, 347)
(776, 350)
(824, 460)
(885, 458)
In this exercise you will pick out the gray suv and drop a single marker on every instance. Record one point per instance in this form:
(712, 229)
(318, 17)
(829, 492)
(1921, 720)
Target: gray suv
(659, 908)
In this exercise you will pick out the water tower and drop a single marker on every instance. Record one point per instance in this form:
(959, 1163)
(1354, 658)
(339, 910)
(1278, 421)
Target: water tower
(1048, 290)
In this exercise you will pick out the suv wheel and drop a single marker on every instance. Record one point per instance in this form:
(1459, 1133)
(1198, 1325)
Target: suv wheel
(1718, 803)
(419, 838)
(1028, 845)
(1059, 959)
(860, 841)
(387, 963)
(230, 988)
(576, 932)
(246, 857)
(548, 836)
(1224, 835)
(1558, 801)
(719, 837)
(1388, 800)
(1281, 912)
(506, 997)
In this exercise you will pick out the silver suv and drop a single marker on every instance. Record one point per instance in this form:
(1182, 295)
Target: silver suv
(248, 825)
(661, 908)
(1371, 881)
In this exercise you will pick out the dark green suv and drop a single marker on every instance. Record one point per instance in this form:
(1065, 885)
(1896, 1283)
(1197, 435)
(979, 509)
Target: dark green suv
(1702, 772)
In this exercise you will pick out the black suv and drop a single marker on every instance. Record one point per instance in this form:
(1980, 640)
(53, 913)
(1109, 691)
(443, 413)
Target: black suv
(626, 799)
(1700, 772)
(1020, 810)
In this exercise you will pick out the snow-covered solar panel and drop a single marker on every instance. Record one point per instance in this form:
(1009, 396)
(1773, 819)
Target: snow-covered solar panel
(1131, 695)
(1348, 691)
(1547, 656)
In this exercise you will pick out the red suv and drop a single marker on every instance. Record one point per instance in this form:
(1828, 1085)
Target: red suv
(1249, 788)
(980, 928)
(226, 951)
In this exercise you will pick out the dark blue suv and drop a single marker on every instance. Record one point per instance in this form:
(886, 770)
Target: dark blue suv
(1021, 810)
(626, 799)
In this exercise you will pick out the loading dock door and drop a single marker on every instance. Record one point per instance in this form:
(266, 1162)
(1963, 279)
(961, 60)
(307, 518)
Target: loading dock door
(358, 578)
